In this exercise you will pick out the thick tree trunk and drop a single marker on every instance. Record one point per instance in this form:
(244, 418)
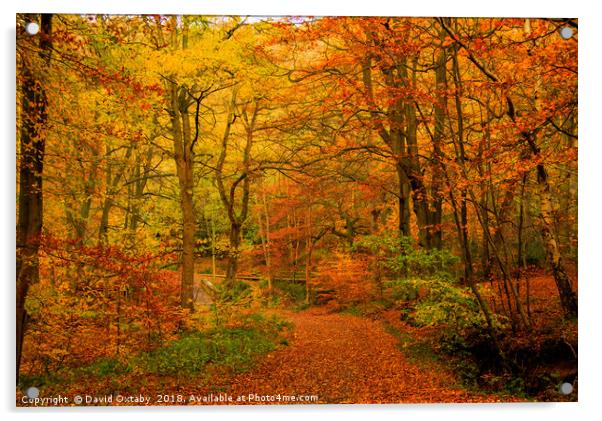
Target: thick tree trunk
(414, 171)
(184, 165)
(31, 166)
(401, 138)
(183, 145)
(421, 201)
(186, 198)
(394, 138)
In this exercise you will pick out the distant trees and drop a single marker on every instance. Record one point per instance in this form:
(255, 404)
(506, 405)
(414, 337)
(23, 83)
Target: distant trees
(447, 99)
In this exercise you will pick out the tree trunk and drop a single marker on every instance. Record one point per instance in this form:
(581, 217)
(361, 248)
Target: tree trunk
(31, 166)
(308, 255)
(568, 298)
(110, 190)
(179, 103)
(468, 269)
(308, 263)
(403, 201)
(188, 243)
(436, 211)
(184, 165)
(264, 226)
(243, 180)
(232, 265)
(394, 138)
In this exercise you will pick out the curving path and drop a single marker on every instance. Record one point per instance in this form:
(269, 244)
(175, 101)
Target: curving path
(346, 359)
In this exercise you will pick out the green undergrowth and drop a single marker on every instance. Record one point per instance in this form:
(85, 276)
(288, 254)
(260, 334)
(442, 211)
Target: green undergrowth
(369, 309)
(416, 349)
(193, 354)
(235, 349)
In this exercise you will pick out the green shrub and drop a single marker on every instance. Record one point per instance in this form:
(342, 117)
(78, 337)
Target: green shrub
(417, 349)
(402, 256)
(294, 291)
(418, 261)
(188, 355)
(106, 367)
(235, 349)
(301, 306)
(444, 303)
(270, 326)
(353, 310)
(535, 253)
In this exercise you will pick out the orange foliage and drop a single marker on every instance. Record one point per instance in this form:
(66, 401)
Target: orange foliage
(349, 276)
(98, 302)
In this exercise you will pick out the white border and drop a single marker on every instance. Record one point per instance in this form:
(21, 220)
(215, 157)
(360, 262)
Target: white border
(552, 8)
(590, 236)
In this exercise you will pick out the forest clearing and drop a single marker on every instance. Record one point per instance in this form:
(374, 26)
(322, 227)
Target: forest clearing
(302, 210)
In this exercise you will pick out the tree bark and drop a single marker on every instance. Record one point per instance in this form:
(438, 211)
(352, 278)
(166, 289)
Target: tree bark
(184, 158)
(34, 114)
(179, 101)
(394, 139)
(436, 211)
(568, 298)
(112, 181)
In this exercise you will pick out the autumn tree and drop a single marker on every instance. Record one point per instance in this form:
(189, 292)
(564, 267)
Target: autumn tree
(33, 60)
(186, 94)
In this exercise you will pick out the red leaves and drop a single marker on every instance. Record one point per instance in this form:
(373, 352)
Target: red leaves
(95, 302)
(347, 359)
(478, 44)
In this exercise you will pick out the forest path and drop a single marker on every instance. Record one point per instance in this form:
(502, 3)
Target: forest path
(347, 359)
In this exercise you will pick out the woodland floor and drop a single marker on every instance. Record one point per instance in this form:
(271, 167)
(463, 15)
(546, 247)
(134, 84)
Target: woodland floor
(342, 358)
(345, 358)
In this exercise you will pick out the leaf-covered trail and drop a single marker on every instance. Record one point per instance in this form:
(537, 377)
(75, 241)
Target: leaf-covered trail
(347, 359)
